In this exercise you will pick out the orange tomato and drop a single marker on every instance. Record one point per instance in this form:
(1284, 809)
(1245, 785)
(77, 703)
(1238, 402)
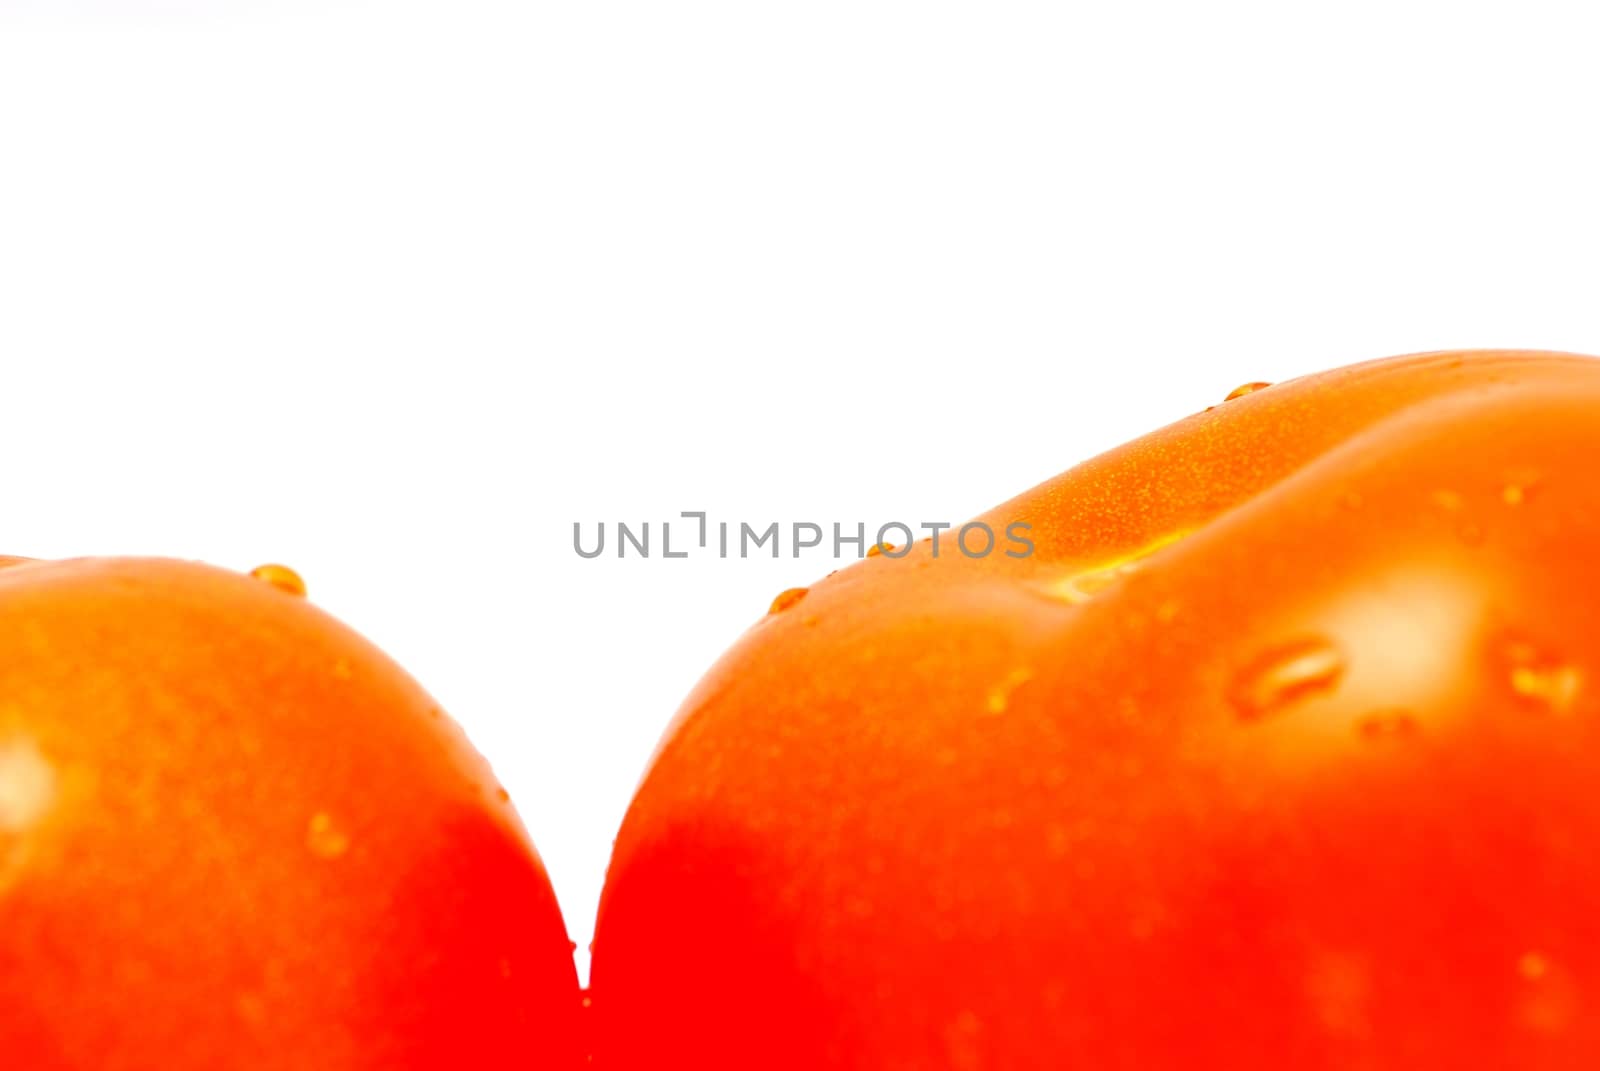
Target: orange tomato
(234, 835)
(1282, 750)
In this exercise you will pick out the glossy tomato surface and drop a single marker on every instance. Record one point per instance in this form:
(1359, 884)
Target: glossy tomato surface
(1282, 750)
(233, 834)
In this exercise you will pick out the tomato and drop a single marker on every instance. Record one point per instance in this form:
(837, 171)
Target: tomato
(234, 835)
(1282, 750)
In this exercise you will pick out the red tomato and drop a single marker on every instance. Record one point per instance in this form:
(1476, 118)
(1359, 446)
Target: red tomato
(1282, 750)
(234, 835)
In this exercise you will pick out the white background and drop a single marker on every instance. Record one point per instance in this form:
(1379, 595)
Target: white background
(396, 292)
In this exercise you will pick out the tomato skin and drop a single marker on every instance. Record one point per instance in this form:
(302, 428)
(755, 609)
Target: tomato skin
(1280, 751)
(233, 834)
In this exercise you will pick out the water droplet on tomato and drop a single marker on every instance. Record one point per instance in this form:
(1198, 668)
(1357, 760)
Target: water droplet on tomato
(1468, 530)
(281, 577)
(1081, 587)
(1541, 679)
(1085, 586)
(1248, 388)
(999, 696)
(786, 599)
(1285, 675)
(1521, 486)
(1387, 725)
(324, 839)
